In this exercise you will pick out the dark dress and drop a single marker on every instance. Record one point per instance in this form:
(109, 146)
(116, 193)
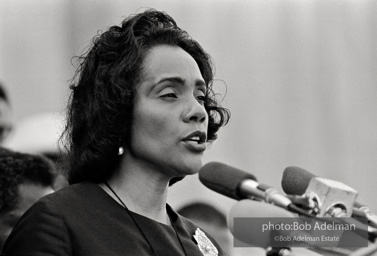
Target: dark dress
(82, 219)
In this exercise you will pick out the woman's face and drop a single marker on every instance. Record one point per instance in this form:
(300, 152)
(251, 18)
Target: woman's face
(169, 130)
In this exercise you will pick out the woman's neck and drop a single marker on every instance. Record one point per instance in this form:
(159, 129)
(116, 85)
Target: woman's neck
(142, 190)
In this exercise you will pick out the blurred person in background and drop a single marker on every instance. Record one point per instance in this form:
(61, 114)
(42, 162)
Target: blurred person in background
(39, 134)
(24, 179)
(140, 117)
(6, 121)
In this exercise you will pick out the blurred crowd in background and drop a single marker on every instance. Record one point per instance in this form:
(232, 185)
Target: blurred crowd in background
(300, 78)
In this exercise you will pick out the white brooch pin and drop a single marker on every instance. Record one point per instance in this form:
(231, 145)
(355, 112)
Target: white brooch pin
(205, 245)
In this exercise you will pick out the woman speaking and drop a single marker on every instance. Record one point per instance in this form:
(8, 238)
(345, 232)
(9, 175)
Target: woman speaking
(141, 113)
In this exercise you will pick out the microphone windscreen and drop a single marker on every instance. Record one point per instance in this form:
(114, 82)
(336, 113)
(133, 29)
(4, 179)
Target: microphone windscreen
(224, 179)
(295, 180)
(254, 209)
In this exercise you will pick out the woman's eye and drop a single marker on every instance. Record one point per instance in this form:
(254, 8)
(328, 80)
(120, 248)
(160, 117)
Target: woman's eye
(169, 95)
(201, 99)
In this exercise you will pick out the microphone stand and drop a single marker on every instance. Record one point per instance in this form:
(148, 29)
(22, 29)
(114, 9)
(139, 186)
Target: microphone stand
(367, 251)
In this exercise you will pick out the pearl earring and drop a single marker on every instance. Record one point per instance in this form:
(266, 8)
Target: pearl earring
(120, 151)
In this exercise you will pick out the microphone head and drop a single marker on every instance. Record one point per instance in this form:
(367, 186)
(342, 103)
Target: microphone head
(295, 180)
(223, 179)
(254, 209)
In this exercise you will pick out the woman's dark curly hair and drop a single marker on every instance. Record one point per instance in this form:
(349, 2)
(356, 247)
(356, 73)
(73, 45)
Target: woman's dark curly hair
(101, 103)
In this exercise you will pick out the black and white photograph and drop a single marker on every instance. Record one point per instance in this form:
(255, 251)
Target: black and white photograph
(188, 128)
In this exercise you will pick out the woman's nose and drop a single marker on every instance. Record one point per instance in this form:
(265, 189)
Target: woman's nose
(195, 112)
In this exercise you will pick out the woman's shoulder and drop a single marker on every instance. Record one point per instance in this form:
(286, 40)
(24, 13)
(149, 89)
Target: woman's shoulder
(69, 199)
(83, 190)
(78, 188)
(43, 226)
(50, 221)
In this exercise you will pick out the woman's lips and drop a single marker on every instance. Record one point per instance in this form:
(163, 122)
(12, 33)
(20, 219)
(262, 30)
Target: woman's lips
(195, 146)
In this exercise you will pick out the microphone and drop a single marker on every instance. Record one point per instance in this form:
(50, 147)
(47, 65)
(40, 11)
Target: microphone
(296, 181)
(237, 184)
(226, 180)
(333, 198)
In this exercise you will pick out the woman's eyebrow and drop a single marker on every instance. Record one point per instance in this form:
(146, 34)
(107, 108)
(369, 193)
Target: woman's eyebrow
(177, 80)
